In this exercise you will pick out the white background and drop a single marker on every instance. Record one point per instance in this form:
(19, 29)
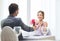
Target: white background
(58, 19)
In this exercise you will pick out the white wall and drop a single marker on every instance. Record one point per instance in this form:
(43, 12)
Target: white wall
(58, 19)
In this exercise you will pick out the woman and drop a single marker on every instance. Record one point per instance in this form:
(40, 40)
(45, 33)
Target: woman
(40, 25)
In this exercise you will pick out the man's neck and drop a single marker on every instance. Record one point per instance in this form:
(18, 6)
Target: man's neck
(12, 15)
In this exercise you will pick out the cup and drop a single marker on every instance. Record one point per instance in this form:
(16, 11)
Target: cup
(17, 29)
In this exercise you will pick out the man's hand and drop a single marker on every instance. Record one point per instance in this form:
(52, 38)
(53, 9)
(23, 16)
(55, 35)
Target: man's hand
(34, 27)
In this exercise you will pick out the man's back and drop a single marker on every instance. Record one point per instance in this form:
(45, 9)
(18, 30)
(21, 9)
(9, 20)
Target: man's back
(10, 21)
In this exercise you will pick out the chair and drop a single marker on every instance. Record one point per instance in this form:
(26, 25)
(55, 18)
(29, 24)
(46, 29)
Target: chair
(8, 34)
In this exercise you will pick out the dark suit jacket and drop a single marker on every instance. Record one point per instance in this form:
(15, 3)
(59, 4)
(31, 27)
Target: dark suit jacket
(13, 21)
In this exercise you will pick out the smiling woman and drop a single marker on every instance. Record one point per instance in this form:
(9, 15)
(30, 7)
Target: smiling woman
(48, 6)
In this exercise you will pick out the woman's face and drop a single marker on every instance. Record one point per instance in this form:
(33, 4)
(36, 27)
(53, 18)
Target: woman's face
(40, 16)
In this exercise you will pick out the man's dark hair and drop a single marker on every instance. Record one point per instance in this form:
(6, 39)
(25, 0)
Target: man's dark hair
(12, 8)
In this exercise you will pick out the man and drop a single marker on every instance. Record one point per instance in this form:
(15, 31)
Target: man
(12, 21)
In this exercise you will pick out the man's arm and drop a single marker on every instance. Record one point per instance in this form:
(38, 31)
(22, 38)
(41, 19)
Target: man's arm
(25, 27)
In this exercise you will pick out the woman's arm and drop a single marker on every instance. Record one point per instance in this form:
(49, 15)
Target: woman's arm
(45, 26)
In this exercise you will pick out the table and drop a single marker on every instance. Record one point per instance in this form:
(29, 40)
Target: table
(39, 38)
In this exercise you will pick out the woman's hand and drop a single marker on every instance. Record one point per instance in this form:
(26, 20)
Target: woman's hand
(44, 29)
(45, 24)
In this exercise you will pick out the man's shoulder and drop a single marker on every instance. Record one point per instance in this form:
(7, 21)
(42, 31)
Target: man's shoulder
(11, 20)
(18, 19)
